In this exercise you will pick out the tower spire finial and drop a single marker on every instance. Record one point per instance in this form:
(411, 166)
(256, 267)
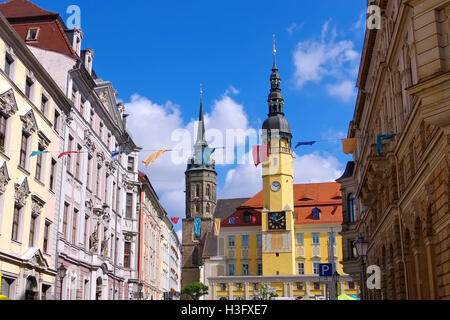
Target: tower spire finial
(274, 51)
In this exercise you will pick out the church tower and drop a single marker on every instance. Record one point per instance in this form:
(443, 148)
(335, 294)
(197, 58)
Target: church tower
(201, 185)
(278, 214)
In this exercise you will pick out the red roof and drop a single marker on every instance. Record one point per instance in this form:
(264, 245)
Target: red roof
(23, 8)
(325, 196)
(23, 15)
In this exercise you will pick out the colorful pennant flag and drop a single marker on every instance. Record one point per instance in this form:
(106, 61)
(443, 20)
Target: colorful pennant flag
(35, 153)
(307, 143)
(204, 156)
(260, 154)
(67, 153)
(217, 223)
(334, 209)
(152, 158)
(380, 140)
(175, 220)
(197, 227)
(349, 145)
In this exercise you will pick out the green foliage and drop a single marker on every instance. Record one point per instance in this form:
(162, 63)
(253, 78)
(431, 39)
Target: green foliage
(267, 294)
(195, 290)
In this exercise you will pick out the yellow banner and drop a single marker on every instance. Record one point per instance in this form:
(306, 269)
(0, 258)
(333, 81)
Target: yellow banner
(217, 223)
(152, 158)
(349, 145)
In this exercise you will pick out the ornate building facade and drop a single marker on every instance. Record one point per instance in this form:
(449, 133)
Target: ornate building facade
(201, 186)
(398, 200)
(96, 216)
(29, 185)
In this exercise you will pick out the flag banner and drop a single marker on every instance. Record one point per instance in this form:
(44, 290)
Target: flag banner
(197, 227)
(253, 219)
(36, 153)
(204, 156)
(307, 143)
(114, 154)
(349, 145)
(380, 140)
(67, 153)
(260, 154)
(175, 220)
(152, 158)
(217, 223)
(334, 209)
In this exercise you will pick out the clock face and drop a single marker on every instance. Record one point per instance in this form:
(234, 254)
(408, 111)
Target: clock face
(276, 186)
(277, 221)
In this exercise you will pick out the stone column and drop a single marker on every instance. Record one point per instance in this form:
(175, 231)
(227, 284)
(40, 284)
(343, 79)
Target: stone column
(308, 289)
(417, 264)
(342, 287)
(428, 246)
(213, 291)
(247, 295)
(291, 290)
(230, 291)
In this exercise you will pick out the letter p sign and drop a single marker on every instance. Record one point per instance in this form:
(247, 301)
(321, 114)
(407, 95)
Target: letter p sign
(374, 278)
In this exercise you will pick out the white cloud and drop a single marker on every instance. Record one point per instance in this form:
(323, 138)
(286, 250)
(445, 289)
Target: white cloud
(361, 23)
(245, 181)
(344, 91)
(326, 59)
(291, 28)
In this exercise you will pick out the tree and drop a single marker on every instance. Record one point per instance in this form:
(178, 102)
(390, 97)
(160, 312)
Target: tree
(267, 293)
(195, 290)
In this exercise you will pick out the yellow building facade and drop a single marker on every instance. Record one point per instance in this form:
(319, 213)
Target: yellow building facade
(32, 111)
(277, 240)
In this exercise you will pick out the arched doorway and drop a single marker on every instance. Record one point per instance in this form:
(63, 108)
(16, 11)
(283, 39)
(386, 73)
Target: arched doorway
(31, 289)
(98, 290)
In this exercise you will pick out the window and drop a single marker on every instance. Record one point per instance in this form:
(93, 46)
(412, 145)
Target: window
(129, 212)
(29, 88)
(100, 131)
(111, 247)
(260, 269)
(86, 226)
(316, 268)
(231, 241)
(23, 151)
(223, 287)
(301, 268)
(16, 223)
(118, 199)
(88, 173)
(108, 140)
(46, 235)
(316, 286)
(351, 208)
(299, 285)
(97, 181)
(91, 120)
(9, 63)
(300, 239)
(245, 269)
(127, 255)
(82, 108)
(130, 164)
(39, 157)
(351, 285)
(74, 96)
(316, 238)
(113, 194)
(197, 191)
(32, 34)
(255, 286)
(32, 231)
(353, 251)
(332, 237)
(65, 217)
(259, 240)
(231, 269)
(78, 163)
(52, 175)
(44, 104)
(245, 241)
(2, 131)
(56, 121)
(74, 226)
(106, 187)
(69, 156)
(239, 287)
(7, 286)
(208, 191)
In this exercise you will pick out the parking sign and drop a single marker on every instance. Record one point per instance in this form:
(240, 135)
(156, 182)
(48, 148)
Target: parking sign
(326, 270)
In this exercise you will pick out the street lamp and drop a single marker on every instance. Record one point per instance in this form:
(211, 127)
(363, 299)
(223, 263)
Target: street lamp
(61, 274)
(140, 287)
(361, 247)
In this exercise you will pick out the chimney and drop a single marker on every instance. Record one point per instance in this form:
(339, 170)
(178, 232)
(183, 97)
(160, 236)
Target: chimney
(88, 58)
(76, 42)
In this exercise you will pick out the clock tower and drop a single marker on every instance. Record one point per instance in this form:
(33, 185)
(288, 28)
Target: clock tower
(278, 213)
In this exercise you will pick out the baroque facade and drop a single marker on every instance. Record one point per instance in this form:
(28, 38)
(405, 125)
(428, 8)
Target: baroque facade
(398, 200)
(29, 101)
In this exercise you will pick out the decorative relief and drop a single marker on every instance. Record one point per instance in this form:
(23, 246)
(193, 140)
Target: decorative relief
(22, 193)
(37, 206)
(100, 158)
(4, 177)
(110, 168)
(8, 104)
(29, 125)
(93, 241)
(89, 142)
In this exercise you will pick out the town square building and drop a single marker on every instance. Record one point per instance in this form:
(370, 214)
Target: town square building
(398, 199)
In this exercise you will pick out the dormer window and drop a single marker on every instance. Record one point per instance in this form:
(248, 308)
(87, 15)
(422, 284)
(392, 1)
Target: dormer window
(316, 213)
(32, 34)
(305, 199)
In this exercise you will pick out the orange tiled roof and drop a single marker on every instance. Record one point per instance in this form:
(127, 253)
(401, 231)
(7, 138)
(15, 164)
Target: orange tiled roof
(325, 196)
(23, 8)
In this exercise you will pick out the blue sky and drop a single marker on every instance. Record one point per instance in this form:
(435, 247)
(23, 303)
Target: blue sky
(158, 52)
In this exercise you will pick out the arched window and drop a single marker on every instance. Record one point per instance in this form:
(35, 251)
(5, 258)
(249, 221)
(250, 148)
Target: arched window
(197, 190)
(351, 208)
(198, 208)
(208, 208)
(208, 191)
